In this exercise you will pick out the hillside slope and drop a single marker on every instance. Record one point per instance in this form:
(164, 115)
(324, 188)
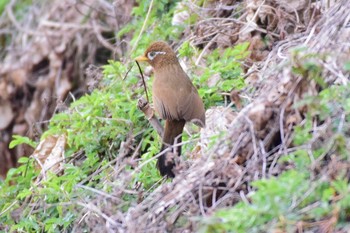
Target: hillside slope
(274, 156)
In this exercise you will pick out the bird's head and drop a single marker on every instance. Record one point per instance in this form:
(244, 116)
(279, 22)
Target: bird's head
(159, 54)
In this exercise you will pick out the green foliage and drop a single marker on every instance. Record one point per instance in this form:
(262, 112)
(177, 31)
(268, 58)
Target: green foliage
(274, 199)
(98, 123)
(225, 65)
(186, 50)
(11, 195)
(103, 118)
(55, 190)
(17, 140)
(19, 8)
(148, 175)
(3, 4)
(157, 26)
(303, 133)
(300, 194)
(279, 203)
(307, 65)
(347, 66)
(95, 125)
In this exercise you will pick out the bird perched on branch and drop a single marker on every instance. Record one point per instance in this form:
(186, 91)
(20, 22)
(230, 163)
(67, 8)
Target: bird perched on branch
(175, 100)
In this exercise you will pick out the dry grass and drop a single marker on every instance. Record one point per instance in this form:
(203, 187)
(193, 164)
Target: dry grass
(258, 136)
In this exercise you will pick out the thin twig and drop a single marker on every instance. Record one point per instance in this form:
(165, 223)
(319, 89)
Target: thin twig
(127, 72)
(143, 81)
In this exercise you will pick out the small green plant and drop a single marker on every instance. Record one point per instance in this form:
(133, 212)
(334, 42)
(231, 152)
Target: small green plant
(95, 126)
(222, 74)
(17, 140)
(272, 200)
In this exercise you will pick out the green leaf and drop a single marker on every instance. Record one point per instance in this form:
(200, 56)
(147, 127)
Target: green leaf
(24, 193)
(17, 140)
(347, 66)
(23, 160)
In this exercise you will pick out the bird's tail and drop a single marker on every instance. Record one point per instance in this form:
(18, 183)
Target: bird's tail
(173, 131)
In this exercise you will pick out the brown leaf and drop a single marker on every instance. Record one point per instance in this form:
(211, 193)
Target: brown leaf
(6, 114)
(18, 77)
(50, 153)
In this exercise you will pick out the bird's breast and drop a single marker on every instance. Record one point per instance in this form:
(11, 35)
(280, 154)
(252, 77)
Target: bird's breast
(174, 96)
(166, 98)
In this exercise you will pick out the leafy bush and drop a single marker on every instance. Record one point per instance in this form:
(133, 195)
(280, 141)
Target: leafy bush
(222, 74)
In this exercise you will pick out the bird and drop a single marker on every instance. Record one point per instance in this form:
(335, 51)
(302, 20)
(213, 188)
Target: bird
(175, 100)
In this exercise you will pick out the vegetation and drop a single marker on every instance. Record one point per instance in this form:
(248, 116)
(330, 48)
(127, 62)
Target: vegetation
(107, 166)
(307, 191)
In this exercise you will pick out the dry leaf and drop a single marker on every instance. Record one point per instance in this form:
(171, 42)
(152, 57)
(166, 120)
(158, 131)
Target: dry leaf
(50, 153)
(6, 115)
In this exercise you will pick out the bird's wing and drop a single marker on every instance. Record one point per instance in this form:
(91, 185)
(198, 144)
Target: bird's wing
(175, 97)
(163, 109)
(191, 107)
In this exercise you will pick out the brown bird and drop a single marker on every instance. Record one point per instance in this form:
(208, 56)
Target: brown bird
(175, 99)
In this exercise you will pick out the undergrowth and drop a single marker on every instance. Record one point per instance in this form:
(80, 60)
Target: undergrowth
(98, 125)
(95, 127)
(315, 190)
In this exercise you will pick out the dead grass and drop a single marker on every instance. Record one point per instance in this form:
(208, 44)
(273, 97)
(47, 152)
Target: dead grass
(262, 131)
(255, 138)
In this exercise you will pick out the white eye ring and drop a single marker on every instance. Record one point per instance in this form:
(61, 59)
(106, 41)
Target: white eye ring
(153, 54)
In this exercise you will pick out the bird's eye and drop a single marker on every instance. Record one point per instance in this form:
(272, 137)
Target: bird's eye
(151, 55)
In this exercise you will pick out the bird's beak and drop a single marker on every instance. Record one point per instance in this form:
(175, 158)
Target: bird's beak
(141, 58)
